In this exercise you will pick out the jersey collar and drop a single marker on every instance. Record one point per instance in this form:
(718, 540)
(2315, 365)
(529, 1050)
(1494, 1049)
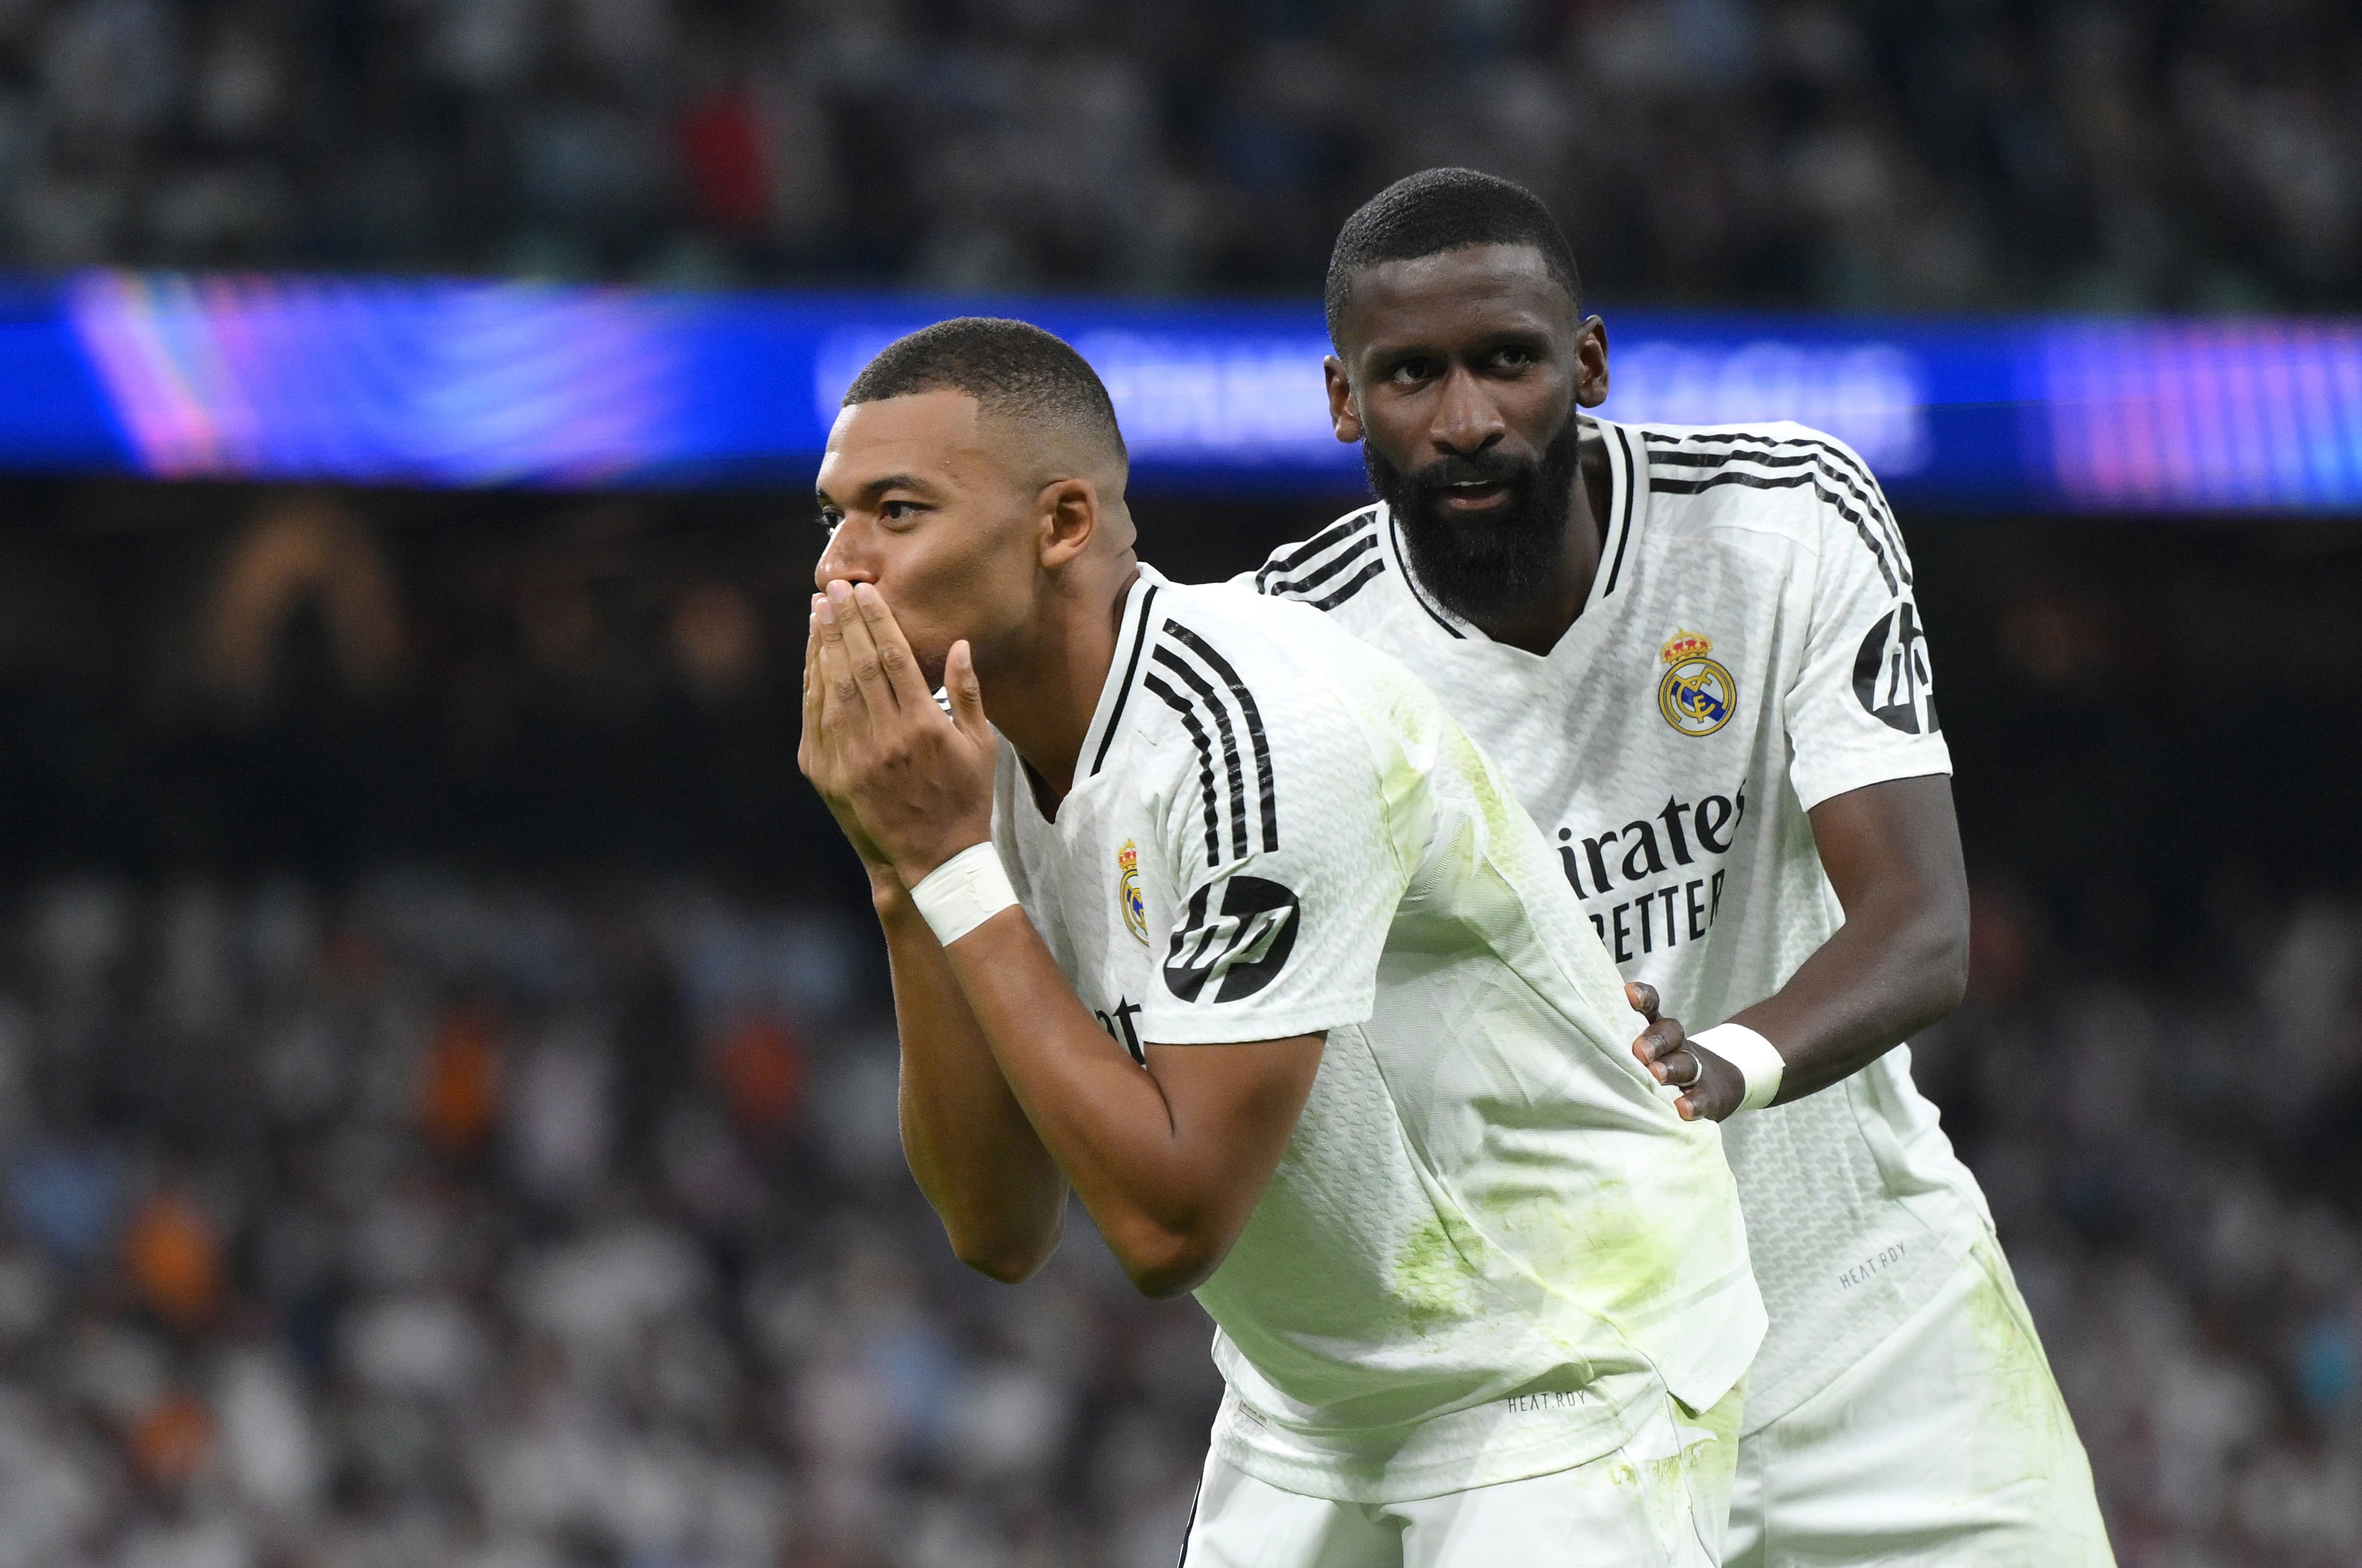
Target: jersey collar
(1132, 633)
(1628, 492)
(1628, 485)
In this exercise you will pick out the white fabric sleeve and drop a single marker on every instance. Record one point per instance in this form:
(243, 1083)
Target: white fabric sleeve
(1279, 935)
(1862, 707)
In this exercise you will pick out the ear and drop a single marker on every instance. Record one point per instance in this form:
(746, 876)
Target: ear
(1591, 363)
(1067, 511)
(1342, 415)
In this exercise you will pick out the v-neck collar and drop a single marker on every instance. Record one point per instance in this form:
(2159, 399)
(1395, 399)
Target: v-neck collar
(1133, 631)
(1627, 484)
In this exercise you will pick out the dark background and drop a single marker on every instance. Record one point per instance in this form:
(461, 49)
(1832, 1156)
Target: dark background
(2103, 154)
(2143, 711)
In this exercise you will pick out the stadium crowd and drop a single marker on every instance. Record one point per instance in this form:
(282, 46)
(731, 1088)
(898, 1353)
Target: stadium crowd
(460, 1223)
(2107, 154)
(515, 1224)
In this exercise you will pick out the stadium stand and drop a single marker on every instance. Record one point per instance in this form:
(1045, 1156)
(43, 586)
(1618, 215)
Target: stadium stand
(2110, 155)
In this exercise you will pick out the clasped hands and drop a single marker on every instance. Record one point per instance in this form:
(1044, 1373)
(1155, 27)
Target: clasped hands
(910, 786)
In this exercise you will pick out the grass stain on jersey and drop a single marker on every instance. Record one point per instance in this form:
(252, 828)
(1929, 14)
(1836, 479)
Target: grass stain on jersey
(1507, 826)
(1603, 1257)
(1435, 1272)
(1604, 1254)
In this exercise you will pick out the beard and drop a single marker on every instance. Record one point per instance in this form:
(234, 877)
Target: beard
(1486, 565)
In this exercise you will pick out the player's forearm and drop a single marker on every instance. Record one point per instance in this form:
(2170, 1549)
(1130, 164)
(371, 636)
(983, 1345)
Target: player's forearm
(1158, 1199)
(970, 1148)
(1901, 961)
(1898, 964)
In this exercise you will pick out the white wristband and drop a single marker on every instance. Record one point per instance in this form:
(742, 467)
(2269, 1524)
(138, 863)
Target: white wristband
(964, 892)
(1757, 1060)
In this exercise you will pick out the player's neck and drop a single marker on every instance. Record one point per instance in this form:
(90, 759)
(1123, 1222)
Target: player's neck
(1041, 696)
(1539, 623)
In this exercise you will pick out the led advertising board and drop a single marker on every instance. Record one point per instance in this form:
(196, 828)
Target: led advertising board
(379, 381)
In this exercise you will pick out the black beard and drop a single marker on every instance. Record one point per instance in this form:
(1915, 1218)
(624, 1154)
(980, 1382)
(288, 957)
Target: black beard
(1484, 567)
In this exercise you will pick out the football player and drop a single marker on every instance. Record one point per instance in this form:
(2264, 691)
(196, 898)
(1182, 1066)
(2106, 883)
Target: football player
(1203, 912)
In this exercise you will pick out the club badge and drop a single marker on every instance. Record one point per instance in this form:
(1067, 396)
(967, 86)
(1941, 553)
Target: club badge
(1697, 695)
(1126, 890)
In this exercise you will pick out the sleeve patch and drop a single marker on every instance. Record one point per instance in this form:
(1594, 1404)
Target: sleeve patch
(1236, 939)
(1892, 677)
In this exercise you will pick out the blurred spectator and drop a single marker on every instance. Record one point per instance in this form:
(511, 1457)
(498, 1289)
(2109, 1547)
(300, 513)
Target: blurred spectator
(173, 1262)
(2113, 154)
(304, 553)
(459, 1084)
(561, 1125)
(721, 145)
(170, 1440)
(65, 1196)
(716, 637)
(760, 1066)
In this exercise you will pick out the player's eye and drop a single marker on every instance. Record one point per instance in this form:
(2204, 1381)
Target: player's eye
(830, 519)
(1513, 357)
(898, 511)
(1409, 372)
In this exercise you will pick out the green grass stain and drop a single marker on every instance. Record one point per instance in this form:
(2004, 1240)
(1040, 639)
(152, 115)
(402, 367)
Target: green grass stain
(1598, 1248)
(1502, 815)
(1702, 1468)
(2027, 1437)
(2027, 1434)
(1599, 1254)
(1436, 1274)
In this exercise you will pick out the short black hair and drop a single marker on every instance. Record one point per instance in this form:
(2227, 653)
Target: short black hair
(1443, 209)
(1010, 368)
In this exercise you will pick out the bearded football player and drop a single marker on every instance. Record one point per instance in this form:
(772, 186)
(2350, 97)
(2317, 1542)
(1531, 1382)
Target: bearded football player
(1696, 655)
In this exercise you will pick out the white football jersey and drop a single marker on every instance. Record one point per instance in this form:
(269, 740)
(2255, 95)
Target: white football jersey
(1491, 1241)
(1750, 649)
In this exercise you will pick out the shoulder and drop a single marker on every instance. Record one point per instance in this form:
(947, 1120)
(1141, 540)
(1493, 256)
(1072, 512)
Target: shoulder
(1329, 569)
(1780, 477)
(1755, 467)
(1270, 649)
(1250, 715)
(1238, 664)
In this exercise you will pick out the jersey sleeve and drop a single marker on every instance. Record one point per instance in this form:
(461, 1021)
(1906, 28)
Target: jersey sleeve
(1277, 880)
(1862, 707)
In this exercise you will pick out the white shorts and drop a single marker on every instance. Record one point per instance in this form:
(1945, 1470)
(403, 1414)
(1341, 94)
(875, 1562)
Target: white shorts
(1657, 1502)
(1947, 1447)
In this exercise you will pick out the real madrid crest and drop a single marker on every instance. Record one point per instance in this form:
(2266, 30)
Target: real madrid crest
(1126, 890)
(1697, 695)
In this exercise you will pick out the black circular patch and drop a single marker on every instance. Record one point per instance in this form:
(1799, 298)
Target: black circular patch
(1891, 675)
(1237, 946)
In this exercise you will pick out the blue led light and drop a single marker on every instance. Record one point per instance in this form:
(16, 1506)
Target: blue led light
(469, 384)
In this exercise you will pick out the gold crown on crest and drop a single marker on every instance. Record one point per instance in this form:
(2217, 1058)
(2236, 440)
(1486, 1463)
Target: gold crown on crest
(1127, 858)
(1686, 644)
